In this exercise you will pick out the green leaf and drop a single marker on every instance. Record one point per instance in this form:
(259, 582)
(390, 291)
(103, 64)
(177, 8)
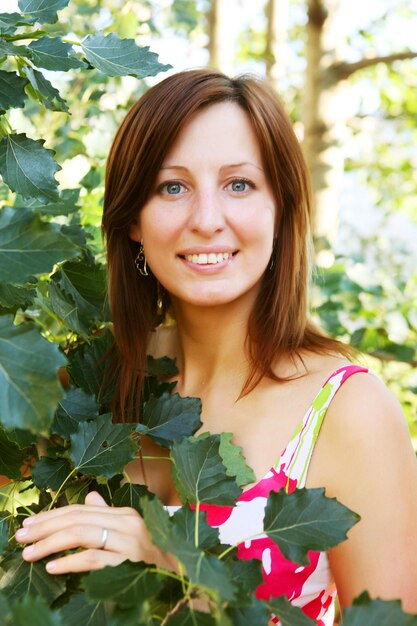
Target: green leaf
(27, 167)
(164, 366)
(77, 406)
(377, 613)
(186, 617)
(41, 89)
(130, 494)
(120, 57)
(306, 520)
(79, 612)
(170, 418)
(14, 297)
(50, 473)
(235, 461)
(127, 584)
(34, 611)
(67, 203)
(12, 91)
(171, 535)
(21, 579)
(247, 576)
(7, 48)
(77, 294)
(11, 457)
(6, 524)
(199, 473)
(87, 367)
(53, 54)
(44, 11)
(254, 613)
(101, 447)
(184, 522)
(10, 21)
(28, 393)
(289, 614)
(29, 246)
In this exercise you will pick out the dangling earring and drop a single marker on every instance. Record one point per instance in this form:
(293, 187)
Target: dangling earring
(140, 261)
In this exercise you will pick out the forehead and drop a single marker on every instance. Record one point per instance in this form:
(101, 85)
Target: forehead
(222, 126)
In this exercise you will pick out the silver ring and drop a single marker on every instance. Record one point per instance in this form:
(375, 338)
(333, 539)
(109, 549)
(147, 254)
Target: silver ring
(104, 538)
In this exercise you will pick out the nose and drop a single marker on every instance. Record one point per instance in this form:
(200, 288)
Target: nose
(207, 213)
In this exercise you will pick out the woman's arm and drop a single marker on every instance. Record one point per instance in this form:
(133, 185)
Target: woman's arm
(373, 470)
(82, 526)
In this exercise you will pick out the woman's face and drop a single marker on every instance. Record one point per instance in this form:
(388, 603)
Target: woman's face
(208, 226)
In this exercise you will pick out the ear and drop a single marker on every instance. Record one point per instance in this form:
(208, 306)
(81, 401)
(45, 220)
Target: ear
(135, 232)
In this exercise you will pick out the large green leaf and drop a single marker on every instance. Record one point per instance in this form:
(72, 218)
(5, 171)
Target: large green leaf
(186, 617)
(7, 48)
(28, 393)
(22, 578)
(44, 11)
(50, 473)
(11, 457)
(170, 418)
(101, 447)
(7, 530)
(77, 294)
(289, 614)
(377, 613)
(253, 613)
(29, 246)
(27, 167)
(172, 536)
(199, 472)
(127, 584)
(121, 57)
(235, 461)
(77, 406)
(131, 494)
(12, 90)
(306, 520)
(87, 367)
(79, 612)
(41, 89)
(185, 525)
(247, 576)
(53, 54)
(34, 611)
(13, 297)
(10, 21)
(67, 203)
(164, 366)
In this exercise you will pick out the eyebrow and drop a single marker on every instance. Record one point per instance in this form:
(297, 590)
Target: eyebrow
(223, 167)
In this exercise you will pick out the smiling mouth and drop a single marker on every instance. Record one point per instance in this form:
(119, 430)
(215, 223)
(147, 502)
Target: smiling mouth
(212, 258)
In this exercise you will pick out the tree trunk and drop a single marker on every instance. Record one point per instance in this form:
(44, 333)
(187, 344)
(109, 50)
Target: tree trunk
(276, 45)
(323, 117)
(220, 44)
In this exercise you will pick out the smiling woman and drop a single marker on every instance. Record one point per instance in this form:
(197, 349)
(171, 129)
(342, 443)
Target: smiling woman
(206, 216)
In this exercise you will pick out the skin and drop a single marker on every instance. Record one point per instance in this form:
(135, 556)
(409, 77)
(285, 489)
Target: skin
(363, 456)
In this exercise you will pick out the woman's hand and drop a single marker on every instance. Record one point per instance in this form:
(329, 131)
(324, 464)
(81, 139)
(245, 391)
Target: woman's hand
(84, 526)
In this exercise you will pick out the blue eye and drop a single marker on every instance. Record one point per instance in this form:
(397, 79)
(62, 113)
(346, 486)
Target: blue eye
(173, 188)
(239, 185)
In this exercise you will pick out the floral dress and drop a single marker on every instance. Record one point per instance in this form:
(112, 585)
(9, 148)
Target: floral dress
(310, 587)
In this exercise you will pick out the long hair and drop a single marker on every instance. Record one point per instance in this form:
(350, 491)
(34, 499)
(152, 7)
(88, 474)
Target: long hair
(278, 323)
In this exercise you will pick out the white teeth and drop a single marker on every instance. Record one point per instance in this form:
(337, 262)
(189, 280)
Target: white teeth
(208, 259)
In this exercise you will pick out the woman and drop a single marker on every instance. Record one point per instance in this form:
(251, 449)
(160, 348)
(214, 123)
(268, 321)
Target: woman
(207, 214)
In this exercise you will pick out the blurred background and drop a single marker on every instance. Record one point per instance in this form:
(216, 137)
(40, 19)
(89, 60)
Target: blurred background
(347, 73)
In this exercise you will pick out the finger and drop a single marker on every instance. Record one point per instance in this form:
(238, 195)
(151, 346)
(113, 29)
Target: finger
(84, 561)
(80, 536)
(98, 519)
(95, 499)
(77, 509)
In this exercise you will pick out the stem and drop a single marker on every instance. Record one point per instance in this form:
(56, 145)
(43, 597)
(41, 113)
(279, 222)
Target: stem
(197, 511)
(158, 458)
(71, 41)
(58, 493)
(167, 573)
(5, 128)
(35, 35)
(181, 602)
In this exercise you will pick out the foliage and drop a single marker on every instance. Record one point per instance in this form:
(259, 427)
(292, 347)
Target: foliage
(56, 443)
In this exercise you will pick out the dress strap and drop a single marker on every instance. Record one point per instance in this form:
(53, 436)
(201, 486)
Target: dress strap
(295, 460)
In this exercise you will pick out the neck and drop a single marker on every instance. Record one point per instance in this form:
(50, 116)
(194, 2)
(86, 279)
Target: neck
(211, 345)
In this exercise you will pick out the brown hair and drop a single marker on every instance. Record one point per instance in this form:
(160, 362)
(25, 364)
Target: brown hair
(278, 323)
